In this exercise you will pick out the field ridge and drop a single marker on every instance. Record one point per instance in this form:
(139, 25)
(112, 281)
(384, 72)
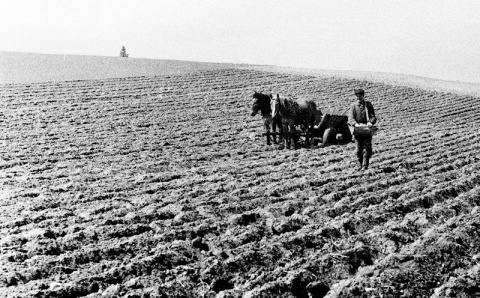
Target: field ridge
(163, 186)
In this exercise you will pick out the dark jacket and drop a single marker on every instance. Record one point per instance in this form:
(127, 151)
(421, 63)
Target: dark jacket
(358, 115)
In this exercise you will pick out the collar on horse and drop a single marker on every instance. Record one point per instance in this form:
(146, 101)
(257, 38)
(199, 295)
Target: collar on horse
(264, 105)
(287, 105)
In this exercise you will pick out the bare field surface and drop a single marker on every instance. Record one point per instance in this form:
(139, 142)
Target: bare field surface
(396, 79)
(164, 187)
(24, 68)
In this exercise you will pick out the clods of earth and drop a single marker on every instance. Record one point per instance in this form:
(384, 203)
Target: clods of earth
(164, 187)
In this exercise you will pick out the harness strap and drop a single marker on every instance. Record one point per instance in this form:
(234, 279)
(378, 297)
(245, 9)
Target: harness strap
(366, 111)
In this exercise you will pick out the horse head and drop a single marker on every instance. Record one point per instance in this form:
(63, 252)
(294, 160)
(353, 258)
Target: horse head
(255, 104)
(261, 102)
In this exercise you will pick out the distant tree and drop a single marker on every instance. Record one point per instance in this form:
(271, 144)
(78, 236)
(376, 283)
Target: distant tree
(123, 52)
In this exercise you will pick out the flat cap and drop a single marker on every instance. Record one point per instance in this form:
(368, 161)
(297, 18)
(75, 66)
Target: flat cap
(359, 91)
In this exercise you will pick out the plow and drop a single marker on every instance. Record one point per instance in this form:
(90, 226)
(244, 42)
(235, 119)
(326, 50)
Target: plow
(329, 130)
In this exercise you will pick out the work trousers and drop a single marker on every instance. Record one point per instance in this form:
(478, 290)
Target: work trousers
(364, 149)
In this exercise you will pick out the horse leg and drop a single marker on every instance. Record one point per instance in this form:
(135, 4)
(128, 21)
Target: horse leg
(274, 131)
(266, 125)
(280, 130)
(311, 128)
(291, 132)
(267, 128)
(308, 133)
(286, 133)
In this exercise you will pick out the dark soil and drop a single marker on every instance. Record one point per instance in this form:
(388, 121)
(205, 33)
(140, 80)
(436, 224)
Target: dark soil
(164, 187)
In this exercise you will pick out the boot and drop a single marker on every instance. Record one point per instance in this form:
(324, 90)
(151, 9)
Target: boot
(360, 164)
(366, 163)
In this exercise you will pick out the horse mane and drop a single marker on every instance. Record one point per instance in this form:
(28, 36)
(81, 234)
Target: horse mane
(261, 96)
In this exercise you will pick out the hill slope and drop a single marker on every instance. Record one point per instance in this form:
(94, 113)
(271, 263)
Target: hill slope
(24, 68)
(33, 68)
(164, 185)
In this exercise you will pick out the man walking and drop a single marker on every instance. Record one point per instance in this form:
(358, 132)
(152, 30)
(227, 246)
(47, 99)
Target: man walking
(362, 113)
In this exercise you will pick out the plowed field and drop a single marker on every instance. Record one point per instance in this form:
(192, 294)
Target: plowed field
(164, 187)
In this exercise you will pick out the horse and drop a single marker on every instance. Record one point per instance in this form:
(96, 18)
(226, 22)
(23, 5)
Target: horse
(295, 112)
(261, 102)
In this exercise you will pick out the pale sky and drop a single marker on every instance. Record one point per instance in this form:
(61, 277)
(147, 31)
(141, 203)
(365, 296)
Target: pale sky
(436, 39)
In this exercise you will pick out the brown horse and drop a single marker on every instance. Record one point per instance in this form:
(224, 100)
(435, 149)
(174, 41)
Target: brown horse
(301, 112)
(261, 102)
